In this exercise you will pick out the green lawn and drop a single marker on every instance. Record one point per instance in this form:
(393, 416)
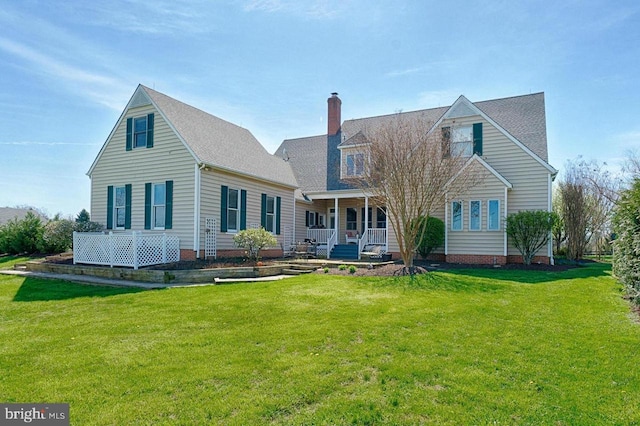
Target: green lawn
(469, 347)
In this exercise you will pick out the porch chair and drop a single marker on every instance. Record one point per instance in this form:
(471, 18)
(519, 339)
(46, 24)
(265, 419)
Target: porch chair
(352, 237)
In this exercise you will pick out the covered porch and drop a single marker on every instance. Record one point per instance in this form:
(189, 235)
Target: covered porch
(347, 227)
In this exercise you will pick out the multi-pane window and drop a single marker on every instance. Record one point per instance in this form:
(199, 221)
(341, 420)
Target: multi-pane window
(119, 206)
(462, 141)
(456, 216)
(271, 214)
(233, 210)
(381, 217)
(355, 164)
(352, 219)
(140, 132)
(493, 216)
(475, 215)
(158, 205)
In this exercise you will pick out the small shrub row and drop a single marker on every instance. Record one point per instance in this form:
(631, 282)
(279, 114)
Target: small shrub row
(31, 234)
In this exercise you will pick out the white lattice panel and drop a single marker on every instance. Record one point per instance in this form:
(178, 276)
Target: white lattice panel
(132, 250)
(210, 244)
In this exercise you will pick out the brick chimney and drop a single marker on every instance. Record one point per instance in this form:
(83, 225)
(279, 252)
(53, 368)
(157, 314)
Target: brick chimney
(333, 120)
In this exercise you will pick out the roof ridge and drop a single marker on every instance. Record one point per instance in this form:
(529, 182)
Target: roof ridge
(444, 106)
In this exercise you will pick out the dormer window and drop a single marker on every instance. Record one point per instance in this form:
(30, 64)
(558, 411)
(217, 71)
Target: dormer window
(140, 132)
(355, 164)
(462, 141)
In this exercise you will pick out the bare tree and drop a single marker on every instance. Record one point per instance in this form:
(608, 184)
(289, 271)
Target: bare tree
(411, 169)
(588, 194)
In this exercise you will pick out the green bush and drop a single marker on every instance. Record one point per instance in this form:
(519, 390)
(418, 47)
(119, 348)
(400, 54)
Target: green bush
(83, 223)
(352, 269)
(529, 231)
(57, 236)
(254, 240)
(326, 270)
(626, 253)
(21, 236)
(342, 267)
(430, 235)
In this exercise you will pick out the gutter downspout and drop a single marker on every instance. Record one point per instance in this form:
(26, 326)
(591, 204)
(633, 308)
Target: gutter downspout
(196, 209)
(550, 249)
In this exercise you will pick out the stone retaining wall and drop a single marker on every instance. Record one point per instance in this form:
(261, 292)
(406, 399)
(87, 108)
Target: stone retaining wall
(158, 276)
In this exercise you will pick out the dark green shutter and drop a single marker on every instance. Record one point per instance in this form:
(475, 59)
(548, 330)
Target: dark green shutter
(168, 209)
(278, 204)
(446, 142)
(263, 211)
(243, 209)
(150, 130)
(477, 138)
(147, 206)
(306, 218)
(127, 206)
(109, 207)
(224, 199)
(129, 133)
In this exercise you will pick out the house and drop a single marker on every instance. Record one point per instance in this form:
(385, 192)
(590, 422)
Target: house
(8, 214)
(167, 167)
(505, 137)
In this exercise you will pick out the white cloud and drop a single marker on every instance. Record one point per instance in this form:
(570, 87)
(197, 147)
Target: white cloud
(316, 9)
(99, 87)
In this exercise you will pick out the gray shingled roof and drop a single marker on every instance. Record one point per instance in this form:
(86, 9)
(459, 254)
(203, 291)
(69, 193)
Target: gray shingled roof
(219, 143)
(521, 116)
(308, 159)
(9, 213)
(368, 125)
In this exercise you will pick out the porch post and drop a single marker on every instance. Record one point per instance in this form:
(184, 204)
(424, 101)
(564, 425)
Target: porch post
(366, 217)
(335, 206)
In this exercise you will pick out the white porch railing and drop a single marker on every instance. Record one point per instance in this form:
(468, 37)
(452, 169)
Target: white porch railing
(321, 236)
(362, 242)
(377, 236)
(132, 249)
(333, 240)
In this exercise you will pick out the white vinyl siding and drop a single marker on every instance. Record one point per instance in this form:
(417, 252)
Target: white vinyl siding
(212, 180)
(530, 189)
(168, 160)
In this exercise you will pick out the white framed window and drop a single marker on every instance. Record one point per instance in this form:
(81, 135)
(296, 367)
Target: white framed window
(120, 206)
(475, 215)
(233, 210)
(158, 205)
(462, 141)
(270, 224)
(493, 215)
(140, 132)
(355, 164)
(456, 216)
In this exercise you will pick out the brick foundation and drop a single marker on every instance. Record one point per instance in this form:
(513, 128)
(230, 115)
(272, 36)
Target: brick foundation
(187, 254)
(265, 254)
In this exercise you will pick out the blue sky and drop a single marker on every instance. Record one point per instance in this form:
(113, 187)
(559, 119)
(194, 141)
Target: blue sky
(68, 68)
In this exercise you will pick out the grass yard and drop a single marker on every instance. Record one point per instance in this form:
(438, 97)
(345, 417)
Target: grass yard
(467, 347)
